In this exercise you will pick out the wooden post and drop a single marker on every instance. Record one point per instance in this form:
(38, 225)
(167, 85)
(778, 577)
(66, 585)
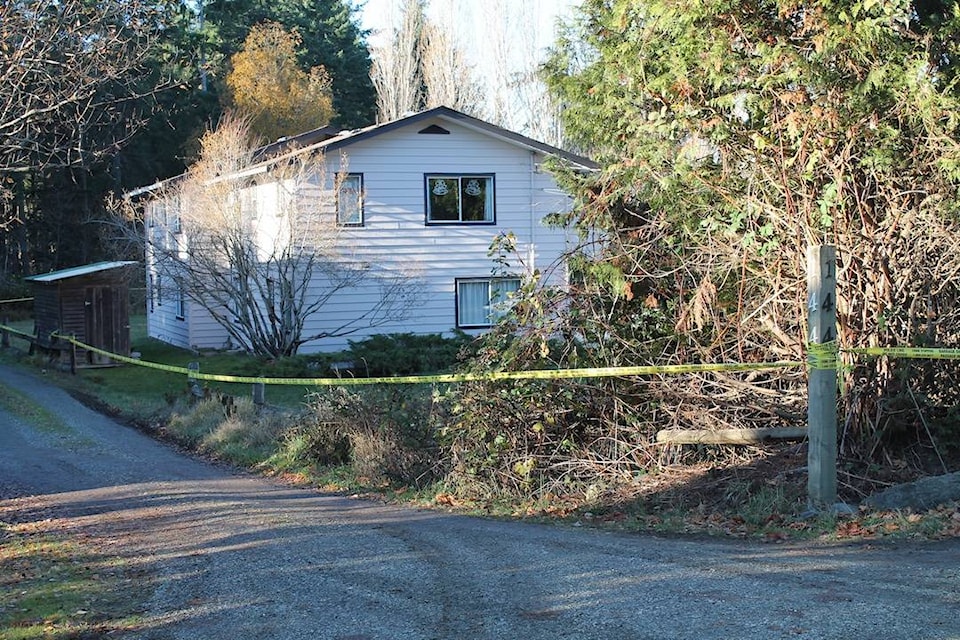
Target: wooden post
(822, 378)
(193, 368)
(73, 358)
(4, 336)
(259, 393)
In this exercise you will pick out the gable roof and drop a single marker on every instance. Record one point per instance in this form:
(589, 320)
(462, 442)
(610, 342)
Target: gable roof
(82, 270)
(324, 139)
(347, 138)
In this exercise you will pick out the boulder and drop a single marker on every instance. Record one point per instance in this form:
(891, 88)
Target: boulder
(924, 493)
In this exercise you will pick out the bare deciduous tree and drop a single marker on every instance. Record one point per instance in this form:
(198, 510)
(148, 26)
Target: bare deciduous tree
(67, 69)
(519, 99)
(397, 73)
(422, 67)
(258, 247)
(447, 76)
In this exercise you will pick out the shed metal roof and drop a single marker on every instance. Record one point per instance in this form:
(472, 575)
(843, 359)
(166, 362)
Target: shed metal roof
(82, 270)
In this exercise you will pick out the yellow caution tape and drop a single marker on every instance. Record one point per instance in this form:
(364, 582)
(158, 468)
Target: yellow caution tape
(117, 357)
(537, 374)
(16, 300)
(908, 352)
(541, 374)
(822, 356)
(819, 356)
(16, 332)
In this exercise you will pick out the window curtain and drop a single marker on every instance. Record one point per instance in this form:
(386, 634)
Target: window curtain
(474, 302)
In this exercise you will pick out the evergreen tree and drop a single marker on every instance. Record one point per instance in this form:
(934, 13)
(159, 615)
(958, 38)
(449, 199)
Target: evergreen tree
(732, 135)
(332, 39)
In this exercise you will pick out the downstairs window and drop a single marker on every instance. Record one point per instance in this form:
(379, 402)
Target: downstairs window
(483, 301)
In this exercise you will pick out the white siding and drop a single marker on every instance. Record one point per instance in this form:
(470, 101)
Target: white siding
(195, 328)
(395, 234)
(395, 238)
(162, 321)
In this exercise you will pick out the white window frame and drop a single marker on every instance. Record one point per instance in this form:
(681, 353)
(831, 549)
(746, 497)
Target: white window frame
(177, 223)
(350, 188)
(497, 303)
(180, 308)
(151, 292)
(459, 183)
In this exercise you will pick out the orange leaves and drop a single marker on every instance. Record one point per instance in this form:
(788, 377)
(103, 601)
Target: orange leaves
(446, 500)
(852, 529)
(266, 83)
(938, 523)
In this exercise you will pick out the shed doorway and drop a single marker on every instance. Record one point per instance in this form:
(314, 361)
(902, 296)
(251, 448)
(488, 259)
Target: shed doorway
(104, 318)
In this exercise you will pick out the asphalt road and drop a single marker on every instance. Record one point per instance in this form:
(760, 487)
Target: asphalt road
(233, 557)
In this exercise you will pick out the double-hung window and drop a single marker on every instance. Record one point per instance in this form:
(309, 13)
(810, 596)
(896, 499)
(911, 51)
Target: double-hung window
(483, 301)
(181, 304)
(350, 200)
(456, 199)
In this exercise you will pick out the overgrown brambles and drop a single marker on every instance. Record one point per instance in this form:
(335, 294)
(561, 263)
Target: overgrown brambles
(795, 124)
(386, 433)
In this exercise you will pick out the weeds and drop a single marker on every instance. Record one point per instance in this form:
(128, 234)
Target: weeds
(385, 433)
(231, 429)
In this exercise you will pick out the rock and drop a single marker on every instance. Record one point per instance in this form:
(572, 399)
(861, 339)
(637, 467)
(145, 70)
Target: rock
(924, 493)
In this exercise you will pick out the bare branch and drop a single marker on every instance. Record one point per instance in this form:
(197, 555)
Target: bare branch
(258, 247)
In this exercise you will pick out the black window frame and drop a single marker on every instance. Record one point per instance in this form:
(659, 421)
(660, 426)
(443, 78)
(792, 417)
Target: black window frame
(180, 304)
(459, 176)
(360, 198)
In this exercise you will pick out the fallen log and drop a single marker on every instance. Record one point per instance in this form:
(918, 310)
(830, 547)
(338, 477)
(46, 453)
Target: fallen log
(729, 436)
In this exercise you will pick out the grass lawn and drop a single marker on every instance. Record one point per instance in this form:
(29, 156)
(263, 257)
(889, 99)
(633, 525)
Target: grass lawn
(142, 392)
(54, 587)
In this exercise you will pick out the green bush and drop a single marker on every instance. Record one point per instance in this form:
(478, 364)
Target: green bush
(401, 354)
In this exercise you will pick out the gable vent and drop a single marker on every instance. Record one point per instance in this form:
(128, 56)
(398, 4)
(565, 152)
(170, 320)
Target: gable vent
(434, 129)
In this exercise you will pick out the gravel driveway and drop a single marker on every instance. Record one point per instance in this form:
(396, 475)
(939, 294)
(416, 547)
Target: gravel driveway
(236, 557)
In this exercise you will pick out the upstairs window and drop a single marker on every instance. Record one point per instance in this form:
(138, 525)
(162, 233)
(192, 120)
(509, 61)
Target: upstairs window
(181, 304)
(483, 301)
(350, 201)
(460, 199)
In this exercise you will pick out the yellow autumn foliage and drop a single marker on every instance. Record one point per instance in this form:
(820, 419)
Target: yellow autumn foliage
(266, 84)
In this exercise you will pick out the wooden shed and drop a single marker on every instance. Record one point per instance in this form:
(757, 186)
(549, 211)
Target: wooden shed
(90, 302)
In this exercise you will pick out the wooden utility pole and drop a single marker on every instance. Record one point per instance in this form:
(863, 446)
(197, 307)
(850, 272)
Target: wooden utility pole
(822, 378)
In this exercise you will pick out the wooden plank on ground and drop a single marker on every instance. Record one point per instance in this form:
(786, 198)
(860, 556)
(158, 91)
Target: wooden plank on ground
(730, 436)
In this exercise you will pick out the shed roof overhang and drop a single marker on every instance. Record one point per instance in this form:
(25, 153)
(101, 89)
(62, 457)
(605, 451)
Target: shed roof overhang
(82, 270)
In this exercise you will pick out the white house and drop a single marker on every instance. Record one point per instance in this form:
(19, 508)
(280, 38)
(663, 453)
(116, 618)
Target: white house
(420, 198)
